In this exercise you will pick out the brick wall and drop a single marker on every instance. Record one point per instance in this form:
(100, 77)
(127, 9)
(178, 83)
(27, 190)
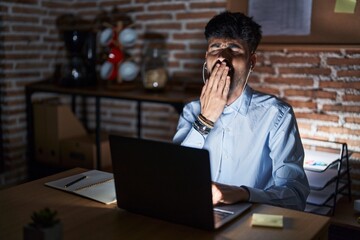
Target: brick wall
(321, 82)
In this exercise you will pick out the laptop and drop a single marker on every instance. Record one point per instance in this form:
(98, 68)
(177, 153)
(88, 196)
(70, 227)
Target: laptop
(167, 181)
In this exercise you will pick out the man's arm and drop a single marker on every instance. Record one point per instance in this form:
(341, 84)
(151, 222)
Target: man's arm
(290, 188)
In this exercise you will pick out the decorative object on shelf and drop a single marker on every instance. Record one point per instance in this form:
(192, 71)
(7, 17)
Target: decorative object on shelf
(44, 226)
(128, 70)
(153, 70)
(80, 45)
(116, 36)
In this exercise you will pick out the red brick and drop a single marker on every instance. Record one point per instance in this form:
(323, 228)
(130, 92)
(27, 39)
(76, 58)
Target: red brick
(304, 126)
(207, 5)
(348, 73)
(264, 70)
(338, 130)
(318, 117)
(339, 84)
(272, 91)
(290, 81)
(314, 94)
(27, 10)
(352, 120)
(175, 46)
(167, 7)
(32, 29)
(352, 51)
(351, 97)
(341, 108)
(302, 104)
(195, 25)
(195, 15)
(189, 36)
(163, 26)
(21, 38)
(31, 65)
(57, 5)
(351, 142)
(23, 75)
(189, 55)
(162, 16)
(305, 70)
(198, 46)
(22, 1)
(20, 19)
(289, 60)
(343, 61)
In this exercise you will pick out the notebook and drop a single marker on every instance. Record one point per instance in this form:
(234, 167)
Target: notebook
(167, 181)
(94, 184)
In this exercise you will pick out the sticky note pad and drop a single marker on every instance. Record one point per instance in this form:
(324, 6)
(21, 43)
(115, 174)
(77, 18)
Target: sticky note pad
(267, 220)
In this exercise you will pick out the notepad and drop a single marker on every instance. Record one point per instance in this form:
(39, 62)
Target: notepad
(94, 184)
(267, 220)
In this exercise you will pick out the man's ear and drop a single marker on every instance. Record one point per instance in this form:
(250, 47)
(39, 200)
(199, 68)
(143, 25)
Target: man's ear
(253, 59)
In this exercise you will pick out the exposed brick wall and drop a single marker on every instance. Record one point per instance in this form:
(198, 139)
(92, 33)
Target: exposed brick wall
(322, 83)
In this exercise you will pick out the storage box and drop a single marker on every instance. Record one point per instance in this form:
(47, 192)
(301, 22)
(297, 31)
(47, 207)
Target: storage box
(81, 152)
(53, 122)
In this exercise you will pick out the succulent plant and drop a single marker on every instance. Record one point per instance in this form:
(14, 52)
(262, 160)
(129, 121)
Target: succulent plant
(44, 218)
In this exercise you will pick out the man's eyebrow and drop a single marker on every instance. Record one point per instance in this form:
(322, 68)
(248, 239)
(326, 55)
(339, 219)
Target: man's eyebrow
(231, 45)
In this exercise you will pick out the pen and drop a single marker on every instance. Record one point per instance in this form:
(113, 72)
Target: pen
(75, 181)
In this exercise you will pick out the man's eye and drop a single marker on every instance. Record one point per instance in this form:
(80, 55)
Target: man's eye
(215, 52)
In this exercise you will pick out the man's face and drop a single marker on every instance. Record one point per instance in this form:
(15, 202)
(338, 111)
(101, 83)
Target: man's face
(236, 53)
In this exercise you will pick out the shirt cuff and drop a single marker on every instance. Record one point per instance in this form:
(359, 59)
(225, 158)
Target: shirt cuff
(194, 139)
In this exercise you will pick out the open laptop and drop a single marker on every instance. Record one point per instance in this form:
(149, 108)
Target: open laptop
(167, 181)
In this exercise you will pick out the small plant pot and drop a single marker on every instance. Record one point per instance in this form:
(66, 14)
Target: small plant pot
(54, 233)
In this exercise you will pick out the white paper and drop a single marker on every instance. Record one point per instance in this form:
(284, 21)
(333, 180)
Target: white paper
(282, 17)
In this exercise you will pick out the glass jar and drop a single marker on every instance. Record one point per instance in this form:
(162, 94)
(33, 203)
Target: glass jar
(153, 70)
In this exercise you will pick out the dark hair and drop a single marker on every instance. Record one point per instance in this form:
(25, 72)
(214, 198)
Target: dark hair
(234, 26)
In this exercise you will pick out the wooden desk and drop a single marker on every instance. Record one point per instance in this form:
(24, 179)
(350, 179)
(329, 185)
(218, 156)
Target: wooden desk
(87, 219)
(175, 96)
(344, 223)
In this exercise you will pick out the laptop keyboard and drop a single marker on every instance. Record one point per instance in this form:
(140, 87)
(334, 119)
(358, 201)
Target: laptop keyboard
(219, 215)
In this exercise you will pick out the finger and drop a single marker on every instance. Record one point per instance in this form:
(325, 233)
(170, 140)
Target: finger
(226, 87)
(203, 90)
(212, 75)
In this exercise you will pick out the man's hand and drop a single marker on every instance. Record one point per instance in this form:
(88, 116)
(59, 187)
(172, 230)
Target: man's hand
(215, 92)
(228, 194)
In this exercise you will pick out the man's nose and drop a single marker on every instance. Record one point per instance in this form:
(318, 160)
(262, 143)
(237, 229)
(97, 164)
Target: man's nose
(225, 54)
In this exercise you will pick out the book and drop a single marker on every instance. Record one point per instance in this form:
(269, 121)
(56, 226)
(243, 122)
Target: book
(94, 184)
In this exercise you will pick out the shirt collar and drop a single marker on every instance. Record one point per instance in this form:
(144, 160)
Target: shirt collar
(241, 104)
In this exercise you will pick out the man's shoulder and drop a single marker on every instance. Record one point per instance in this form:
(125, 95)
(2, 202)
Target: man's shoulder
(262, 99)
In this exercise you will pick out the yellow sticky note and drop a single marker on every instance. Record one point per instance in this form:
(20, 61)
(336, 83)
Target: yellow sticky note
(345, 6)
(267, 220)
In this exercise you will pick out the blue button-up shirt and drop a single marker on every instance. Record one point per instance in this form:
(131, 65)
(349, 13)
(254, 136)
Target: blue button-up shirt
(256, 144)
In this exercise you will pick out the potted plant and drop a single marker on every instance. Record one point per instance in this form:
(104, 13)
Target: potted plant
(44, 226)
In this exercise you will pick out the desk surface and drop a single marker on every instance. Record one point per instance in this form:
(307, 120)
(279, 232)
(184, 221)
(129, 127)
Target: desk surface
(87, 219)
(172, 94)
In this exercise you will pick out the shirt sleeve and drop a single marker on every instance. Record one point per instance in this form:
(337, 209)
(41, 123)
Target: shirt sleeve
(186, 135)
(291, 187)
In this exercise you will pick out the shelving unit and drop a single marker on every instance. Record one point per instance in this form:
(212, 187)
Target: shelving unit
(329, 178)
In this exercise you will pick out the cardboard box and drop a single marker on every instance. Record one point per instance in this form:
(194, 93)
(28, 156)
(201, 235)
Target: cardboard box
(53, 122)
(81, 152)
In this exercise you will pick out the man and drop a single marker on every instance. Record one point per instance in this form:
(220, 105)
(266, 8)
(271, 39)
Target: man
(255, 149)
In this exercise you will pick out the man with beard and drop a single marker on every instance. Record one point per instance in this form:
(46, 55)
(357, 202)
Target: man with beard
(255, 148)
